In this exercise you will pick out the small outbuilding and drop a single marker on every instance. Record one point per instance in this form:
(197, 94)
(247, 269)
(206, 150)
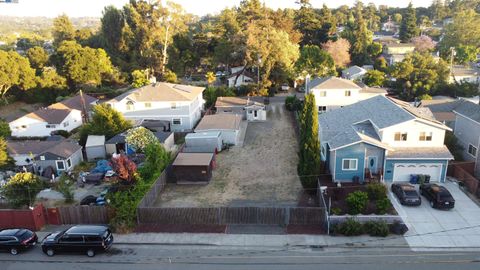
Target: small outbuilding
(118, 144)
(256, 112)
(95, 147)
(206, 142)
(227, 124)
(193, 168)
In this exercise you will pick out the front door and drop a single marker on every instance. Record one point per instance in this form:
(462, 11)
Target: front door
(255, 114)
(372, 164)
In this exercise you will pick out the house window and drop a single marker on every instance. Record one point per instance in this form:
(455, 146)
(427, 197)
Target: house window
(348, 93)
(177, 121)
(322, 108)
(425, 136)
(173, 106)
(323, 93)
(472, 150)
(129, 106)
(148, 105)
(60, 165)
(42, 157)
(66, 124)
(69, 163)
(400, 136)
(349, 164)
(51, 126)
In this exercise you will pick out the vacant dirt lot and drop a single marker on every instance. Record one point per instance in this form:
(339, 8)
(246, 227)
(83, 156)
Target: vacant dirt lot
(17, 109)
(262, 172)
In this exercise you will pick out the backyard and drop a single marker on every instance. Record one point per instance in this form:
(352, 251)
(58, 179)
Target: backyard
(261, 173)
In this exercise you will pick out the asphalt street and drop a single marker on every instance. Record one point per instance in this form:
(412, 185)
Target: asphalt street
(218, 257)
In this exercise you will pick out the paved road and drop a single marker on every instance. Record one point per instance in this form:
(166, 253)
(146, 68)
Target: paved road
(207, 257)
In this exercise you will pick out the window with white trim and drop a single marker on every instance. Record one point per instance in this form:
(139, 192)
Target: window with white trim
(425, 136)
(400, 136)
(66, 124)
(177, 121)
(348, 93)
(349, 164)
(472, 150)
(42, 157)
(129, 106)
(60, 165)
(51, 126)
(323, 93)
(322, 109)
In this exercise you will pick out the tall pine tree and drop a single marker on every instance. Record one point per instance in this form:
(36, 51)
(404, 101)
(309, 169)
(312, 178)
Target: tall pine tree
(409, 28)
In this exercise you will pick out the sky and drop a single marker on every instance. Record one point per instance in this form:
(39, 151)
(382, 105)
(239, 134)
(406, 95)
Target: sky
(93, 8)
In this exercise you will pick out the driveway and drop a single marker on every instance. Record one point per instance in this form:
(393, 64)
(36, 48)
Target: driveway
(431, 228)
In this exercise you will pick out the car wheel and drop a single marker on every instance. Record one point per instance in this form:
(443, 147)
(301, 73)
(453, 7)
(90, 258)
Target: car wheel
(90, 253)
(50, 252)
(13, 251)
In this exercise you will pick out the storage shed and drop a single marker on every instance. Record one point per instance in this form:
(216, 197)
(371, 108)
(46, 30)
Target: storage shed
(193, 168)
(95, 147)
(227, 124)
(207, 142)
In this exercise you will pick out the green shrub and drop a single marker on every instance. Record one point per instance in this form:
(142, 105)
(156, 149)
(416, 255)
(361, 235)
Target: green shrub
(336, 211)
(377, 228)
(65, 186)
(383, 205)
(357, 202)
(22, 189)
(292, 103)
(376, 191)
(351, 227)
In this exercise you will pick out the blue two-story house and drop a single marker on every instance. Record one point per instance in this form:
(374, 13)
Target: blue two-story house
(383, 138)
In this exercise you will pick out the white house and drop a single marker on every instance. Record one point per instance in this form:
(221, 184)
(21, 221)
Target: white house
(461, 74)
(249, 109)
(240, 76)
(180, 104)
(354, 73)
(227, 124)
(333, 92)
(66, 115)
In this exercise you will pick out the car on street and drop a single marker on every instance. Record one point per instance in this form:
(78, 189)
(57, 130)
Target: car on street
(438, 196)
(285, 87)
(406, 194)
(16, 240)
(89, 239)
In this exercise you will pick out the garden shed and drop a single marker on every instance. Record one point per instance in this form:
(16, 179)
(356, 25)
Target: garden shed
(95, 147)
(207, 142)
(193, 168)
(227, 124)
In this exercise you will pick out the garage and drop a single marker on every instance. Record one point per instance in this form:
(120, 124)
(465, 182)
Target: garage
(402, 171)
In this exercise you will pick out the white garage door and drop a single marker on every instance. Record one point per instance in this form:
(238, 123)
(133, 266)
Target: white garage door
(402, 171)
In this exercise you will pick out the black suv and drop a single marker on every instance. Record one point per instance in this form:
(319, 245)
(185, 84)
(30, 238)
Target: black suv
(82, 238)
(438, 196)
(15, 240)
(407, 194)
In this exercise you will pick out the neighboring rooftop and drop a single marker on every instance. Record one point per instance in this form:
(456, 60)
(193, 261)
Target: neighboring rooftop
(95, 140)
(427, 152)
(463, 71)
(64, 148)
(234, 102)
(193, 159)
(50, 116)
(75, 103)
(468, 109)
(332, 83)
(353, 70)
(161, 91)
(220, 121)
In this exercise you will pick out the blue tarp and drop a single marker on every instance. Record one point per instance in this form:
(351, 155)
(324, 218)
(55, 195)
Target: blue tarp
(102, 167)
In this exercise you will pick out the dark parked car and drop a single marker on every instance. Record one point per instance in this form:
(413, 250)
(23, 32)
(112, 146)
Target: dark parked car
(88, 239)
(15, 240)
(438, 196)
(406, 193)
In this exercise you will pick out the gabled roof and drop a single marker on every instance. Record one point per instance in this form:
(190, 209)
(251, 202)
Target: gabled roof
(245, 73)
(468, 109)
(161, 92)
(234, 102)
(50, 116)
(62, 149)
(75, 103)
(219, 121)
(353, 70)
(332, 83)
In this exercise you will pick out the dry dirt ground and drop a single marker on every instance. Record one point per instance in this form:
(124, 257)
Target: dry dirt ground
(17, 109)
(262, 172)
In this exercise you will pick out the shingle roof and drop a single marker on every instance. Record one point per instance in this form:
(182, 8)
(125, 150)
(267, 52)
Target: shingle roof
(220, 121)
(468, 109)
(74, 103)
(332, 83)
(353, 70)
(161, 92)
(63, 149)
(426, 152)
(193, 159)
(51, 116)
(234, 102)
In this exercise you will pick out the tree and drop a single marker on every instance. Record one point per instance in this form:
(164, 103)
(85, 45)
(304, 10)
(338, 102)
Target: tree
(374, 49)
(38, 57)
(156, 160)
(169, 76)
(466, 54)
(50, 79)
(315, 62)
(5, 131)
(374, 78)
(124, 168)
(397, 18)
(380, 64)
(105, 121)
(15, 71)
(423, 43)
(309, 153)
(339, 51)
(211, 93)
(62, 30)
(5, 159)
(139, 78)
(139, 138)
(408, 27)
(307, 22)
(359, 36)
(210, 76)
(21, 189)
(463, 31)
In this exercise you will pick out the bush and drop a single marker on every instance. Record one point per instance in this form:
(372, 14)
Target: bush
(65, 186)
(376, 228)
(336, 211)
(22, 189)
(62, 133)
(357, 202)
(351, 227)
(292, 103)
(383, 205)
(376, 191)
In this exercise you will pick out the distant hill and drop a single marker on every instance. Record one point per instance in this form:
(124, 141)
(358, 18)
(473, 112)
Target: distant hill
(40, 25)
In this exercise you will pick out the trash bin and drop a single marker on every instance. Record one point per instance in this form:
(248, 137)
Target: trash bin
(427, 179)
(413, 179)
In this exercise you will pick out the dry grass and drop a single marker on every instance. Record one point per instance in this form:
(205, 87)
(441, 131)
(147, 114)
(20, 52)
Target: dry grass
(17, 109)
(262, 172)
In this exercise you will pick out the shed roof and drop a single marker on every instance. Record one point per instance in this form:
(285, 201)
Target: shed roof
(207, 134)
(223, 121)
(193, 159)
(95, 140)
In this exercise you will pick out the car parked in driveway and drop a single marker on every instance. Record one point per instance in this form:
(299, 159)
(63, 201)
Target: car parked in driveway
(15, 240)
(406, 194)
(438, 196)
(89, 239)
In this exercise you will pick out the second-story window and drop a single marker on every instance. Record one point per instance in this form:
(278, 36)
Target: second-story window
(425, 136)
(129, 106)
(323, 93)
(173, 105)
(400, 136)
(348, 93)
(322, 109)
(148, 105)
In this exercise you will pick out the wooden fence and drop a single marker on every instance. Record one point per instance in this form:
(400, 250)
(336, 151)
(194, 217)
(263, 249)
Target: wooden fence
(149, 199)
(83, 214)
(463, 172)
(233, 216)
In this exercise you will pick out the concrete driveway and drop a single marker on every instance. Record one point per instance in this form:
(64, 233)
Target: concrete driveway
(431, 228)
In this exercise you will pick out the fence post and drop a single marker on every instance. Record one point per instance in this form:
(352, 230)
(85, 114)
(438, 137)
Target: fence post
(287, 216)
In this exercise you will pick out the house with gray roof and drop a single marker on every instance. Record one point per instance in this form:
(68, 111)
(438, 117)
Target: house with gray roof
(384, 139)
(354, 73)
(333, 92)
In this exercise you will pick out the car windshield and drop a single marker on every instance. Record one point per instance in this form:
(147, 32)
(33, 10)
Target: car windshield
(444, 196)
(24, 234)
(411, 193)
